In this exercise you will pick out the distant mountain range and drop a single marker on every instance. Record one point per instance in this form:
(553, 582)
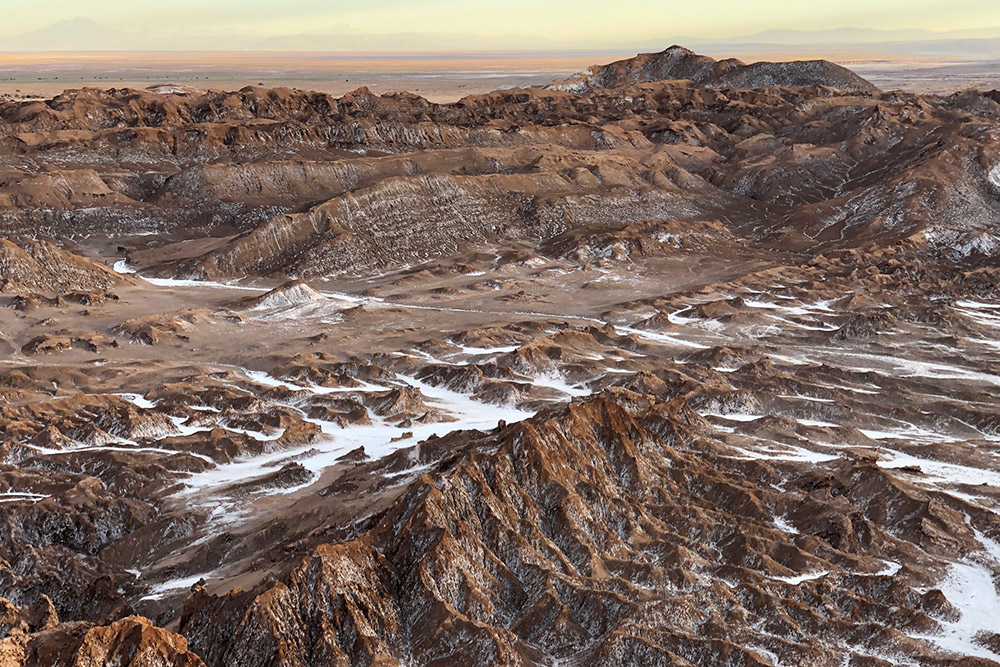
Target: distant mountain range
(83, 34)
(77, 34)
(859, 36)
(981, 43)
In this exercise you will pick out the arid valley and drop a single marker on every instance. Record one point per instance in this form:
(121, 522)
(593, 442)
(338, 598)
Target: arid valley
(668, 361)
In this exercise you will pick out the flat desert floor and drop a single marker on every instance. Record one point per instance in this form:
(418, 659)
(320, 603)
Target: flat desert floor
(439, 78)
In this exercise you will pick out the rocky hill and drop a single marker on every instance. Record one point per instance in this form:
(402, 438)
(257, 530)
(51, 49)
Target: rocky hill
(40, 266)
(677, 63)
(292, 184)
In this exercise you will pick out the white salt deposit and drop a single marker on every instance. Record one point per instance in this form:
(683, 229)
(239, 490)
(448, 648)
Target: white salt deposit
(799, 578)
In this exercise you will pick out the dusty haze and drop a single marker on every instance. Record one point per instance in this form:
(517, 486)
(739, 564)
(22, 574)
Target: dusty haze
(435, 76)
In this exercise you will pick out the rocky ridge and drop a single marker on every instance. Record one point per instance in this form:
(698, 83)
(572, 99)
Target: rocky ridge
(678, 63)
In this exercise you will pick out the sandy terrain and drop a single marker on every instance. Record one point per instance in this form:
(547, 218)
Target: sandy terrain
(438, 78)
(433, 76)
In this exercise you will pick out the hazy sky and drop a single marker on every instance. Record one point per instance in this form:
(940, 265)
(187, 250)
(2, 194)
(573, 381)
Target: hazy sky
(563, 20)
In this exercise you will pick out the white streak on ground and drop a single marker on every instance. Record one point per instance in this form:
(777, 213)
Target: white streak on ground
(138, 400)
(799, 578)
(379, 439)
(482, 351)
(18, 496)
(782, 524)
(557, 382)
(160, 590)
(734, 416)
(939, 471)
(970, 589)
(262, 378)
(122, 267)
(658, 337)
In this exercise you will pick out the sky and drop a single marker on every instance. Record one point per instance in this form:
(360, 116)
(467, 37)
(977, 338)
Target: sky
(499, 23)
(564, 21)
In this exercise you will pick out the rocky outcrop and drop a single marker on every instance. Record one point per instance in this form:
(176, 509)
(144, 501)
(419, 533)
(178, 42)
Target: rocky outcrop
(609, 531)
(61, 189)
(295, 184)
(678, 63)
(289, 295)
(39, 266)
(130, 642)
(399, 221)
